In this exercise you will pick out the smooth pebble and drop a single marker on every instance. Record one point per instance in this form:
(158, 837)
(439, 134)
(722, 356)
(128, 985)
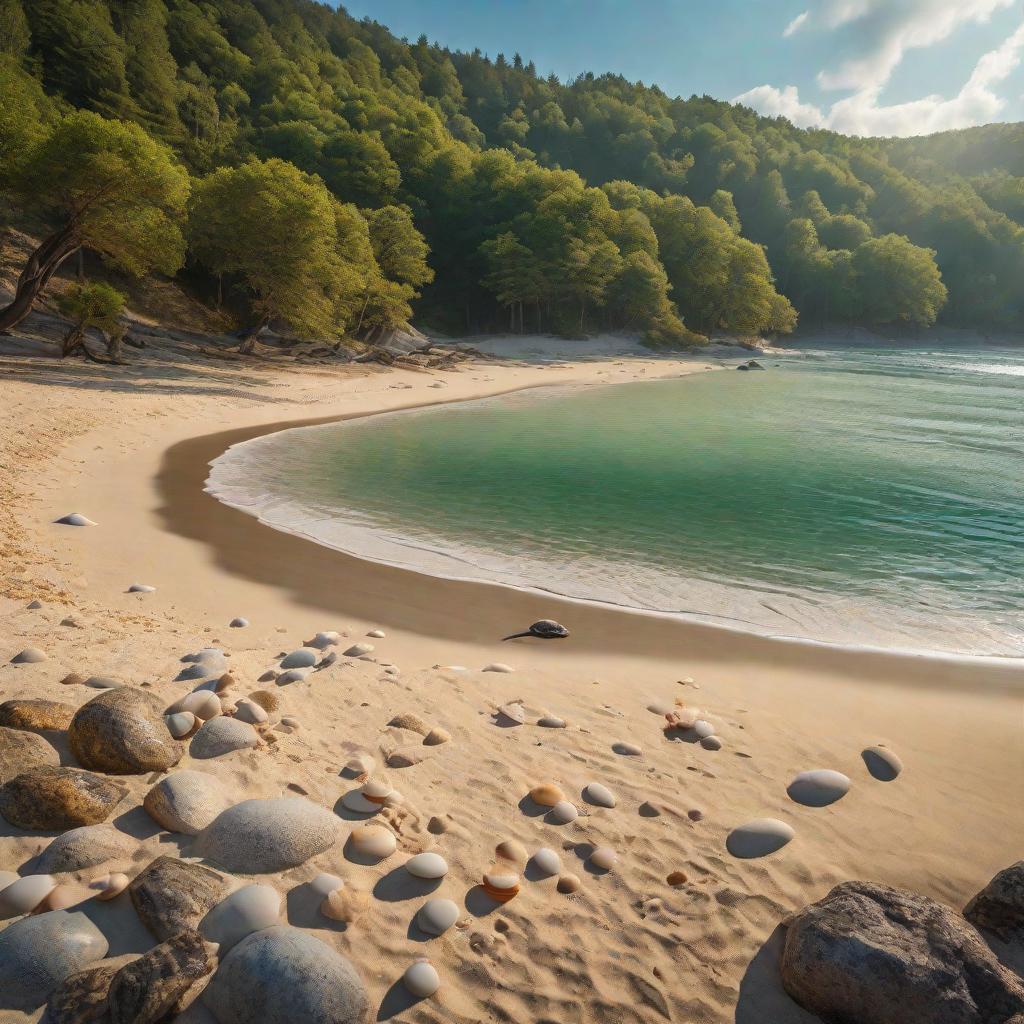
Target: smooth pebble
(373, 841)
(438, 915)
(818, 787)
(758, 838)
(595, 793)
(547, 794)
(548, 861)
(303, 657)
(180, 724)
(427, 865)
(29, 656)
(24, 895)
(882, 763)
(498, 666)
(604, 858)
(562, 813)
(568, 883)
(249, 909)
(627, 749)
(421, 979)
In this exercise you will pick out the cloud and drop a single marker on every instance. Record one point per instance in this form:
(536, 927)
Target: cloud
(877, 34)
(794, 25)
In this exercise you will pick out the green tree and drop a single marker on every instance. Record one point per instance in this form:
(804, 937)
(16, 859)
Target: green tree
(104, 185)
(92, 306)
(897, 281)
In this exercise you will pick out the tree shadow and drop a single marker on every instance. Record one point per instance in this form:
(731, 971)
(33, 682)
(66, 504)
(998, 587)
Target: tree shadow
(762, 997)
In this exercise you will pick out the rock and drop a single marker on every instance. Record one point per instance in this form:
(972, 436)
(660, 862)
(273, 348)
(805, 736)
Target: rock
(427, 865)
(372, 842)
(23, 895)
(437, 826)
(703, 729)
(290, 723)
(303, 657)
(758, 838)
(249, 909)
(514, 714)
(36, 715)
(75, 519)
(551, 722)
(627, 749)
(82, 997)
(421, 979)
(501, 886)
(563, 813)
(85, 847)
(325, 639)
(870, 954)
(406, 757)
(676, 878)
(34, 605)
(101, 683)
(186, 801)
(438, 915)
(511, 849)
(498, 666)
(602, 796)
(359, 650)
(604, 858)
(711, 742)
(999, 907)
(172, 895)
(436, 737)
(123, 732)
(818, 788)
(29, 656)
(407, 720)
(204, 704)
(141, 588)
(547, 794)
(73, 679)
(293, 675)
(54, 799)
(547, 861)
(376, 634)
(360, 764)
(882, 763)
(283, 975)
(260, 836)
(221, 735)
(238, 623)
(180, 724)
(266, 699)
(20, 750)
(109, 886)
(251, 712)
(325, 883)
(568, 883)
(38, 953)
(150, 990)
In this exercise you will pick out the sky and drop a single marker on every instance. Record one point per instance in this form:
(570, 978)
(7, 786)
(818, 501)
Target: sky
(862, 67)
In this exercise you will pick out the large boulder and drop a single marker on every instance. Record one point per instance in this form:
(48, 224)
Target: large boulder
(173, 895)
(999, 907)
(20, 750)
(123, 732)
(84, 847)
(54, 799)
(36, 715)
(869, 954)
(82, 997)
(186, 801)
(258, 836)
(282, 975)
(222, 735)
(38, 953)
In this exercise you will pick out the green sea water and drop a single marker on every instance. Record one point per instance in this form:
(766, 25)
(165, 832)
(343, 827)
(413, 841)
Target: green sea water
(866, 496)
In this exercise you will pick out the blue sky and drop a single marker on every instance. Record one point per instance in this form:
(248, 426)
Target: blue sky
(886, 67)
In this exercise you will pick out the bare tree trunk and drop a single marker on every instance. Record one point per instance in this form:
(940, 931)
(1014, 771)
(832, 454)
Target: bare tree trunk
(220, 290)
(41, 266)
(73, 341)
(362, 313)
(248, 343)
(115, 342)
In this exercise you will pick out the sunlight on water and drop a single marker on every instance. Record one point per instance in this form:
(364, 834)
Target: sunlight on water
(864, 497)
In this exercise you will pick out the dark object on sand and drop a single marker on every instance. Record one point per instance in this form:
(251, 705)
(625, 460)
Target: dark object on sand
(751, 364)
(545, 629)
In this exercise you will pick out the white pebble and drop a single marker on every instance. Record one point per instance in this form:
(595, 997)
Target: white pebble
(548, 861)
(141, 588)
(437, 916)
(563, 813)
(324, 884)
(377, 634)
(600, 795)
(427, 865)
(421, 979)
(703, 728)
(238, 623)
(24, 895)
(604, 858)
(498, 666)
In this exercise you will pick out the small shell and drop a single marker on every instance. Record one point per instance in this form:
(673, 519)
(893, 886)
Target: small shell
(109, 886)
(266, 700)
(547, 794)
(511, 849)
(547, 861)
(604, 858)
(563, 813)
(344, 904)
(501, 886)
(568, 883)
(377, 790)
(421, 979)
(180, 724)
(427, 865)
(373, 841)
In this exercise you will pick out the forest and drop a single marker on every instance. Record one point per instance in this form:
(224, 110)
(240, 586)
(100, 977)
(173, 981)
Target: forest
(298, 165)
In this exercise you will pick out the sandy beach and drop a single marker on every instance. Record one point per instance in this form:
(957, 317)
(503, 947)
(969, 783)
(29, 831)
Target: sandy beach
(129, 448)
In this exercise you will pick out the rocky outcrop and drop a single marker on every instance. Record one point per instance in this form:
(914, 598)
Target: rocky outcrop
(999, 907)
(869, 954)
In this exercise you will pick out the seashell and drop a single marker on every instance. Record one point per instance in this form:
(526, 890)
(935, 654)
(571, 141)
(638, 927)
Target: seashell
(355, 801)
(627, 749)
(676, 878)
(547, 794)
(562, 813)
(683, 718)
(436, 737)
(328, 660)
(548, 861)
(437, 916)
(24, 895)
(238, 622)
(427, 865)
(604, 857)
(501, 886)
(421, 979)
(266, 700)
(551, 722)
(376, 790)
(373, 841)
(109, 886)
(703, 728)
(180, 724)
(711, 743)
(568, 883)
(496, 666)
(203, 704)
(377, 634)
(251, 712)
(344, 904)
(324, 884)
(359, 650)
(511, 849)
(595, 793)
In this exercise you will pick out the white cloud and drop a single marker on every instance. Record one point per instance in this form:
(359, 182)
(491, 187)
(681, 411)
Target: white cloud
(876, 35)
(794, 25)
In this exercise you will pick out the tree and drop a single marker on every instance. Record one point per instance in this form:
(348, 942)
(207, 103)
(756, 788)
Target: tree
(104, 185)
(92, 306)
(399, 249)
(898, 281)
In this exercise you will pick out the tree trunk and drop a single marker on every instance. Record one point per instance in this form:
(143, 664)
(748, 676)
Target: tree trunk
(73, 341)
(539, 319)
(220, 290)
(247, 345)
(41, 266)
(114, 346)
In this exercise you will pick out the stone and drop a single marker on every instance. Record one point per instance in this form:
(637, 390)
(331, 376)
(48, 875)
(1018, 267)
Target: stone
(501, 886)
(676, 878)
(551, 722)
(122, 732)
(999, 907)
(29, 656)
(627, 749)
(547, 861)
(283, 975)
(82, 997)
(204, 704)
(85, 847)
(359, 650)
(55, 799)
(376, 634)
(427, 865)
(818, 788)
(711, 742)
(293, 675)
(266, 699)
(568, 883)
(325, 883)
(882, 763)
(436, 737)
(101, 683)
(360, 764)
(421, 979)
(703, 729)
(238, 622)
(547, 794)
(38, 953)
(180, 724)
(602, 796)
(410, 721)
(604, 858)
(511, 849)
(407, 756)
(73, 679)
(251, 712)
(758, 838)
(260, 836)
(563, 813)
(222, 735)
(75, 519)
(36, 715)
(109, 886)
(511, 714)
(34, 605)
(152, 988)
(25, 894)
(249, 909)
(172, 895)
(497, 666)
(186, 801)
(436, 916)
(437, 826)
(20, 750)
(871, 954)
(373, 842)
(303, 657)
(141, 588)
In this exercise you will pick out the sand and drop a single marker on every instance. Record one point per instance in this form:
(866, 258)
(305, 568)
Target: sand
(128, 448)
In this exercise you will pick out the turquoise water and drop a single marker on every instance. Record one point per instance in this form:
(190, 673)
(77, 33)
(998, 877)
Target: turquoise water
(862, 496)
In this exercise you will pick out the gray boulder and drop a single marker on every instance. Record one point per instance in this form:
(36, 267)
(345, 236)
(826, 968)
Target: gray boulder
(999, 907)
(283, 975)
(221, 735)
(869, 954)
(84, 847)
